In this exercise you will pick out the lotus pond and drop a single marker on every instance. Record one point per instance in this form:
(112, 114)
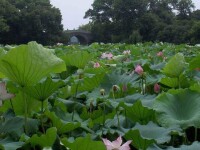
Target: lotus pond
(101, 96)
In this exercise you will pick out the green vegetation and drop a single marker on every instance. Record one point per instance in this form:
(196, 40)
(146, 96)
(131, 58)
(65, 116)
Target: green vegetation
(81, 97)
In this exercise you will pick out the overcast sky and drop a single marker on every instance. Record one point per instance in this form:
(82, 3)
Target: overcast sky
(73, 11)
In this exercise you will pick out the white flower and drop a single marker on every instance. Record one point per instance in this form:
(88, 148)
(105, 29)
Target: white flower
(117, 144)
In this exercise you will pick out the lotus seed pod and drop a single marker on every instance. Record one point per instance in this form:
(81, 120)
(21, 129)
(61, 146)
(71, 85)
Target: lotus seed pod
(115, 88)
(102, 92)
(80, 71)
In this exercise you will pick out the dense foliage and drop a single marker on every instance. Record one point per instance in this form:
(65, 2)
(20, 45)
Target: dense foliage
(133, 21)
(78, 97)
(30, 20)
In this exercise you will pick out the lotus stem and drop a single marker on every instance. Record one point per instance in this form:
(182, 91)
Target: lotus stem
(118, 118)
(113, 95)
(143, 86)
(185, 140)
(11, 105)
(196, 134)
(25, 112)
(74, 102)
(126, 120)
(42, 107)
(42, 113)
(179, 84)
(104, 111)
(173, 137)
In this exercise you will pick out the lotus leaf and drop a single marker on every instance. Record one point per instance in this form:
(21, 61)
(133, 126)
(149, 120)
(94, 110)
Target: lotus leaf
(175, 66)
(28, 64)
(178, 107)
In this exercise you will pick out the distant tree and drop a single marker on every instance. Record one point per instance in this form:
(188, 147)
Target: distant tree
(143, 20)
(8, 13)
(196, 14)
(195, 33)
(185, 8)
(119, 16)
(34, 20)
(86, 27)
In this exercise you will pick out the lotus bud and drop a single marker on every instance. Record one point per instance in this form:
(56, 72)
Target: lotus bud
(160, 54)
(102, 92)
(96, 65)
(124, 88)
(115, 88)
(139, 70)
(156, 88)
(80, 72)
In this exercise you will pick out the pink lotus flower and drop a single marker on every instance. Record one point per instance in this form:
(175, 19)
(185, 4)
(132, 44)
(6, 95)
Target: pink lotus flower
(124, 88)
(3, 93)
(96, 65)
(156, 88)
(127, 52)
(107, 55)
(160, 54)
(139, 70)
(116, 145)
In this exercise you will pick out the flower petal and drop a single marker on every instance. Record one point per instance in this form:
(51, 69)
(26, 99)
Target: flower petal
(117, 142)
(108, 144)
(125, 146)
(3, 92)
(2, 88)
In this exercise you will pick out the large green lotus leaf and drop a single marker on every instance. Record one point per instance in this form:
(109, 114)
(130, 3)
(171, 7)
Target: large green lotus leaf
(9, 144)
(62, 125)
(175, 66)
(195, 63)
(28, 64)
(88, 83)
(129, 100)
(153, 131)
(45, 140)
(170, 82)
(138, 113)
(15, 126)
(174, 83)
(12, 125)
(111, 126)
(41, 91)
(157, 66)
(194, 146)
(137, 141)
(71, 104)
(195, 87)
(178, 107)
(85, 143)
(97, 116)
(77, 58)
(18, 104)
(117, 78)
(65, 92)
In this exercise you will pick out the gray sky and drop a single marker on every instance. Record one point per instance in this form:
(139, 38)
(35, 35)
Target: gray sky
(73, 11)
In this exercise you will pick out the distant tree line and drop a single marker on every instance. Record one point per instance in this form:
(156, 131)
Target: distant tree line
(22, 21)
(132, 21)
